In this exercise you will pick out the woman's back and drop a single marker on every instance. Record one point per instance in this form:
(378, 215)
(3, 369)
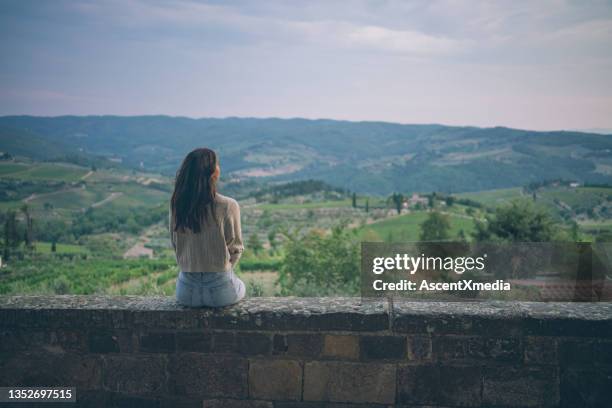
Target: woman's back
(218, 244)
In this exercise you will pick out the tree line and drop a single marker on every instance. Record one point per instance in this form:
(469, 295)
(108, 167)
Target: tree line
(20, 229)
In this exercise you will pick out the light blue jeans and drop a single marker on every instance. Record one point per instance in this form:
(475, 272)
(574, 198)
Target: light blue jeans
(212, 289)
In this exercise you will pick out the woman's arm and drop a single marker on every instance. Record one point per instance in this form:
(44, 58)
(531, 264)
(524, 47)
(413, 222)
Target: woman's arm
(233, 233)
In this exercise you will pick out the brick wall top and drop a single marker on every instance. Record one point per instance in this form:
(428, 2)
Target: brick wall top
(313, 314)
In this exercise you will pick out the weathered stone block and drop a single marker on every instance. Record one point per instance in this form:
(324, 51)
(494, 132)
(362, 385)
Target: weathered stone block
(304, 345)
(462, 348)
(193, 341)
(586, 387)
(275, 379)
(508, 349)
(280, 345)
(55, 319)
(210, 376)
(14, 339)
(225, 403)
(180, 319)
(603, 351)
(8, 318)
(224, 342)
(145, 319)
(349, 382)
(180, 402)
(419, 348)
(101, 341)
(133, 401)
(345, 347)
(160, 342)
(135, 374)
(98, 318)
(540, 350)
(252, 344)
(382, 347)
(91, 399)
(51, 340)
(521, 386)
(36, 368)
(121, 319)
(68, 339)
(584, 352)
(439, 385)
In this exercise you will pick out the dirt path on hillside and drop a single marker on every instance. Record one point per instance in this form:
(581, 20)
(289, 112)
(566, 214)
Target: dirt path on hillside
(138, 249)
(108, 199)
(34, 196)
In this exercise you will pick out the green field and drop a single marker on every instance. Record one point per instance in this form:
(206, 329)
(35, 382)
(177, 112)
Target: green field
(7, 168)
(303, 206)
(493, 198)
(407, 227)
(581, 197)
(43, 171)
(575, 197)
(134, 195)
(45, 248)
(64, 189)
(45, 274)
(70, 199)
(373, 202)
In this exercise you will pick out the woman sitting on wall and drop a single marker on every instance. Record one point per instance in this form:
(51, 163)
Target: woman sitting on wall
(205, 233)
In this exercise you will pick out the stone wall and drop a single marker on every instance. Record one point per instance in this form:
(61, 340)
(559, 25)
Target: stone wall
(291, 352)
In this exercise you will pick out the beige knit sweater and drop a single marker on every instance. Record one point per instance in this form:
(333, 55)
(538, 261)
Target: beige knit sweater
(218, 245)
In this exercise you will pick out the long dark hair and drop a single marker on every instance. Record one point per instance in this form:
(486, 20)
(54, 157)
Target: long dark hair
(195, 188)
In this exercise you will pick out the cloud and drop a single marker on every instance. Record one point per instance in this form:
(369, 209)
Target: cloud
(402, 41)
(424, 30)
(597, 30)
(375, 38)
(193, 16)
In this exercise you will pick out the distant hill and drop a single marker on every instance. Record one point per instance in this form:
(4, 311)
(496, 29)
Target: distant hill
(22, 142)
(372, 157)
(601, 131)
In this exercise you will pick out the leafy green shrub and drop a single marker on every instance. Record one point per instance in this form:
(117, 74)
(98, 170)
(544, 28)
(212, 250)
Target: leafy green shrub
(436, 227)
(519, 221)
(319, 264)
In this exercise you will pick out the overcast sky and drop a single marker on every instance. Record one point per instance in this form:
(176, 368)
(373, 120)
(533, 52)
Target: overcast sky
(532, 64)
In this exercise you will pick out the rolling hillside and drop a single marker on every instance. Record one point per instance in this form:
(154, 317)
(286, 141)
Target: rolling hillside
(368, 157)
